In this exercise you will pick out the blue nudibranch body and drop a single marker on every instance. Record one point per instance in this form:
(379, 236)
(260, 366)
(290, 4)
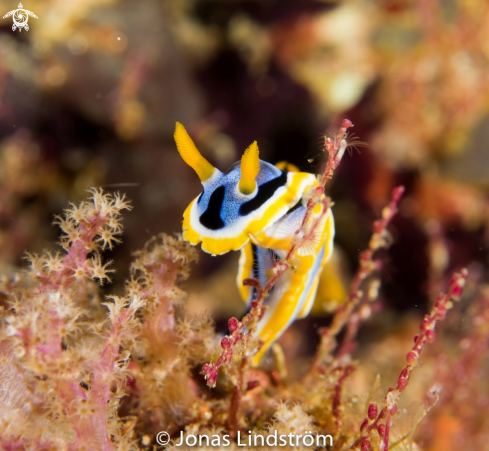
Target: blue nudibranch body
(256, 207)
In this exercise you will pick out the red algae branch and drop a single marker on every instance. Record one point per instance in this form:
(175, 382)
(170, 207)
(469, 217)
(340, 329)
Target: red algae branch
(381, 422)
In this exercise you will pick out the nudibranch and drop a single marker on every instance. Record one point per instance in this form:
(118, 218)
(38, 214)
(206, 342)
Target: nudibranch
(255, 207)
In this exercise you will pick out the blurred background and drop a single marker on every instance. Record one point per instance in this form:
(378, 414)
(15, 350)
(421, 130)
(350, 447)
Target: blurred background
(90, 94)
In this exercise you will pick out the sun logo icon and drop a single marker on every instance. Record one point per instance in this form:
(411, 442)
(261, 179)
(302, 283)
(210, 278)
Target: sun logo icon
(20, 16)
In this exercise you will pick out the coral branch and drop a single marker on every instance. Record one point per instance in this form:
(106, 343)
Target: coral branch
(46, 316)
(427, 334)
(367, 264)
(238, 389)
(346, 371)
(347, 314)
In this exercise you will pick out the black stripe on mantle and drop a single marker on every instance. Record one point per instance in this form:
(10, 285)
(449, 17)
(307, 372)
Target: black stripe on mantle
(265, 191)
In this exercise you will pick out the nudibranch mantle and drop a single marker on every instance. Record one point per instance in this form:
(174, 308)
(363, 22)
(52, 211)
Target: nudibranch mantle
(223, 219)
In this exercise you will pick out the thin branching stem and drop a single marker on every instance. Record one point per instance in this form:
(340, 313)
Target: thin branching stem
(381, 422)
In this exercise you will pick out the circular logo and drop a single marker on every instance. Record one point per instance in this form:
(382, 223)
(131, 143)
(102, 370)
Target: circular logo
(20, 17)
(162, 438)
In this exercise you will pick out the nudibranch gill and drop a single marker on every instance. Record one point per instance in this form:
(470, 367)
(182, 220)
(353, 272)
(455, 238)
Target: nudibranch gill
(256, 207)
